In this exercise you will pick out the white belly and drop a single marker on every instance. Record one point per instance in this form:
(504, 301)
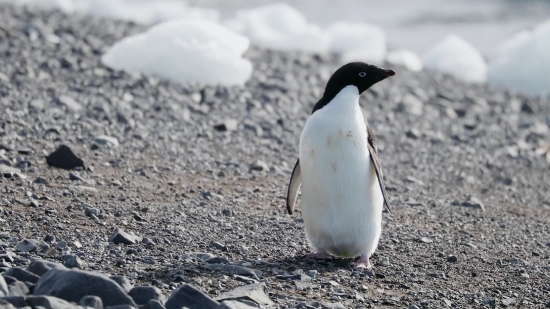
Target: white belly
(341, 198)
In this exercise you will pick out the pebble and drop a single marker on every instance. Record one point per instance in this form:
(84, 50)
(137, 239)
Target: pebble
(41, 180)
(227, 125)
(474, 202)
(188, 296)
(121, 237)
(71, 104)
(104, 140)
(452, 259)
(227, 212)
(64, 158)
(260, 165)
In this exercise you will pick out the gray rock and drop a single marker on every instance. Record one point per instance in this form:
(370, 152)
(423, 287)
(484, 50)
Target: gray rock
(30, 245)
(6, 305)
(233, 304)
(41, 180)
(3, 287)
(71, 104)
(313, 273)
(508, 301)
(252, 292)
(235, 270)
(260, 165)
(75, 177)
(227, 125)
(143, 294)
(411, 104)
(16, 301)
(49, 302)
(121, 237)
(22, 275)
(123, 282)
(74, 261)
(11, 172)
(18, 288)
(474, 202)
(72, 285)
(190, 297)
(332, 305)
(104, 140)
(227, 212)
(153, 304)
(91, 302)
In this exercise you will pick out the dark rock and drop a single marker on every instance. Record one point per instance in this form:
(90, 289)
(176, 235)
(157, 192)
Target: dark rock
(3, 287)
(252, 292)
(16, 301)
(91, 302)
(218, 246)
(63, 157)
(227, 212)
(121, 237)
(72, 285)
(227, 125)
(190, 297)
(153, 304)
(121, 307)
(30, 245)
(235, 270)
(452, 258)
(232, 304)
(5, 304)
(217, 260)
(75, 177)
(473, 202)
(9, 279)
(49, 302)
(123, 282)
(18, 288)
(41, 180)
(21, 275)
(143, 294)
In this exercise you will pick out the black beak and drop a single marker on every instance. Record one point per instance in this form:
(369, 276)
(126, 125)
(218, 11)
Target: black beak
(389, 73)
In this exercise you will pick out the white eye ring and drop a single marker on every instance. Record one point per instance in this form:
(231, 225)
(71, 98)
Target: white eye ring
(362, 74)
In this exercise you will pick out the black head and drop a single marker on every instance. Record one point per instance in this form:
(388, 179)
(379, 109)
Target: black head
(359, 74)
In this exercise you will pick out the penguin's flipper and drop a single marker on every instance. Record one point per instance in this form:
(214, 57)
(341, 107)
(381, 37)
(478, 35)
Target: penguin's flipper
(293, 187)
(377, 165)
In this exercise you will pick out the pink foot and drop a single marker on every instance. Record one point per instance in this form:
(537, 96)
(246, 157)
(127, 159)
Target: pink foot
(363, 262)
(319, 255)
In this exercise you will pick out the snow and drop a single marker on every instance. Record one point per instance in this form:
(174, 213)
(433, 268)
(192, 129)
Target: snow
(143, 11)
(405, 58)
(456, 57)
(357, 42)
(523, 62)
(279, 26)
(199, 51)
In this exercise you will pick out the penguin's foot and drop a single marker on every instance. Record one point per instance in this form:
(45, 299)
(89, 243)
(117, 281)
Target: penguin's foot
(319, 255)
(363, 262)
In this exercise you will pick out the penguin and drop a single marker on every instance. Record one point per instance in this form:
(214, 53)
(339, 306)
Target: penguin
(338, 170)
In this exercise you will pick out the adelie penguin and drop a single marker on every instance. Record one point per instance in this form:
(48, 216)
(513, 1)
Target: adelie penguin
(339, 171)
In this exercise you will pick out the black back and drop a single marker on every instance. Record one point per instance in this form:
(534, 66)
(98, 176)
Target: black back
(359, 74)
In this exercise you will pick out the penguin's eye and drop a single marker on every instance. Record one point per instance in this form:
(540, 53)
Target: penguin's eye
(362, 74)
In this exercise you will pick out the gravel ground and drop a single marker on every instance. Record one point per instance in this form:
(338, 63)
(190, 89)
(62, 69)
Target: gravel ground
(197, 176)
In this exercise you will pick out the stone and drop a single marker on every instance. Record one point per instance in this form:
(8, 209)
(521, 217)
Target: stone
(253, 292)
(313, 273)
(411, 105)
(40, 267)
(227, 212)
(153, 304)
(235, 270)
(508, 301)
(413, 133)
(18, 288)
(143, 294)
(30, 245)
(71, 285)
(121, 237)
(49, 302)
(89, 211)
(188, 296)
(64, 158)
(41, 180)
(260, 165)
(4, 291)
(21, 275)
(123, 282)
(121, 307)
(232, 304)
(332, 305)
(16, 301)
(73, 261)
(69, 102)
(104, 140)
(473, 202)
(11, 172)
(91, 301)
(75, 177)
(452, 259)
(5, 304)
(227, 125)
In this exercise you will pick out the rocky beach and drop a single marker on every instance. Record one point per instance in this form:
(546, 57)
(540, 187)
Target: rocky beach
(156, 194)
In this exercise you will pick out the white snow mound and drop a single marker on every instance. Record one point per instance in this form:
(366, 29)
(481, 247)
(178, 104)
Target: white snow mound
(456, 57)
(279, 26)
(405, 58)
(357, 42)
(524, 62)
(143, 11)
(185, 51)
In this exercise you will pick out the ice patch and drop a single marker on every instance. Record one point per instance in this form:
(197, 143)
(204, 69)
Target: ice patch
(523, 64)
(456, 57)
(357, 42)
(143, 11)
(185, 51)
(405, 58)
(280, 27)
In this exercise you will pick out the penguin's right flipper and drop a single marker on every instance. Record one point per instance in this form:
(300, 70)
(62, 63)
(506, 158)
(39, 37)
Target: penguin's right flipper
(293, 187)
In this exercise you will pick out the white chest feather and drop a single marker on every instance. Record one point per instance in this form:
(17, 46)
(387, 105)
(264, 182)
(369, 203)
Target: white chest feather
(341, 198)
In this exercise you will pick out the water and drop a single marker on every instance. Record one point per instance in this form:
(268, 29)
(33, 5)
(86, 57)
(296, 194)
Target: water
(418, 24)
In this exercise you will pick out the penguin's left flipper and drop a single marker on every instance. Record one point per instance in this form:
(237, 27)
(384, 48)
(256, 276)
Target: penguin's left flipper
(377, 165)
(293, 187)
